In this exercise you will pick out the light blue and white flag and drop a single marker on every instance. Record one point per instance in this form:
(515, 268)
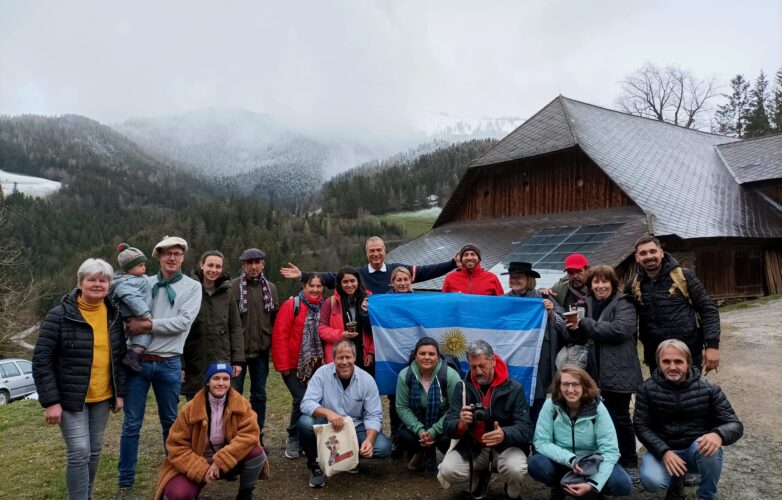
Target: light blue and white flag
(513, 326)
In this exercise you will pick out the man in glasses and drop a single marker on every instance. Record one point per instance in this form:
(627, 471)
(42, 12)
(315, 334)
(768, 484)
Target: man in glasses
(176, 300)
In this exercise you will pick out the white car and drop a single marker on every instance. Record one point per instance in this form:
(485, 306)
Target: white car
(16, 379)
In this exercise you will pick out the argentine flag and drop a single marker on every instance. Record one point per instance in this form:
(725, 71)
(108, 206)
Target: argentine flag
(513, 326)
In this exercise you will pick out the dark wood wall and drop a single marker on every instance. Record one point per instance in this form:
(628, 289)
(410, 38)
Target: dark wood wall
(729, 271)
(563, 182)
(773, 190)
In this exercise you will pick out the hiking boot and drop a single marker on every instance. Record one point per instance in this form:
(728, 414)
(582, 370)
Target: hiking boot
(692, 479)
(416, 461)
(481, 485)
(676, 489)
(291, 448)
(132, 359)
(126, 493)
(317, 480)
(635, 477)
(245, 494)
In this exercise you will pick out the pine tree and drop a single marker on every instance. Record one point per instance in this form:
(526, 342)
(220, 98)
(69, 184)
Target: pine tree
(776, 116)
(758, 119)
(731, 117)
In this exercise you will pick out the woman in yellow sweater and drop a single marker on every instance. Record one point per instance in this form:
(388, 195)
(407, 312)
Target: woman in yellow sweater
(78, 372)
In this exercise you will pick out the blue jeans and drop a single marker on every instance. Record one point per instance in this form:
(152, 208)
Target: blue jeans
(259, 372)
(655, 477)
(543, 469)
(308, 442)
(166, 380)
(83, 434)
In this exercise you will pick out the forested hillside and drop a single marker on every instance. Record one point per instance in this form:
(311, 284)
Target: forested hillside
(403, 185)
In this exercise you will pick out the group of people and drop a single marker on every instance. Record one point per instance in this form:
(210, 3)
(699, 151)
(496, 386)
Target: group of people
(115, 335)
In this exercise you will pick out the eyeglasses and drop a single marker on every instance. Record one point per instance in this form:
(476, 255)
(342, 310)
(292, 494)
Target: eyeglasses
(569, 385)
(176, 255)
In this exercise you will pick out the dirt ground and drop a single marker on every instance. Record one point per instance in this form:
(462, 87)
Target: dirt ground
(750, 375)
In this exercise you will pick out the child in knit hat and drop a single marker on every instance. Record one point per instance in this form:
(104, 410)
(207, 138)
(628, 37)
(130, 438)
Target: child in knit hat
(132, 292)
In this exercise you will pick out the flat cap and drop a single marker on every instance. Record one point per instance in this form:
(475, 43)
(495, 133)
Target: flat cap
(253, 254)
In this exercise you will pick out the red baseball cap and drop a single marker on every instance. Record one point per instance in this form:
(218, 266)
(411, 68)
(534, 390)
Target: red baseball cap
(576, 261)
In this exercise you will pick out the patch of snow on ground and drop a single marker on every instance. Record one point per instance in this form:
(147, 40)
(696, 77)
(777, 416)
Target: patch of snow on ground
(28, 185)
(424, 213)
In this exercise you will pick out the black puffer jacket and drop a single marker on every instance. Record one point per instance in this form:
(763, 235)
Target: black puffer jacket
(669, 316)
(671, 416)
(613, 357)
(62, 361)
(508, 407)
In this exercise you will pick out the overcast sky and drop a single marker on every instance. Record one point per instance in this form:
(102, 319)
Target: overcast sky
(365, 64)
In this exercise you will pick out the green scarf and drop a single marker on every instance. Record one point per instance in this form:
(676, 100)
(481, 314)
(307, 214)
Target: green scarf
(167, 283)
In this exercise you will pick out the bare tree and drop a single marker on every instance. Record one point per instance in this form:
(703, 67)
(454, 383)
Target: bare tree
(16, 299)
(669, 94)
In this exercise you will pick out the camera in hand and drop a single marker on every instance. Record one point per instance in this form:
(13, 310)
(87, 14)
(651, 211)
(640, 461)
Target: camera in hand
(478, 412)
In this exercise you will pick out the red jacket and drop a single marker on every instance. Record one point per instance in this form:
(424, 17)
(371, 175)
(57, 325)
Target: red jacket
(332, 325)
(477, 282)
(287, 335)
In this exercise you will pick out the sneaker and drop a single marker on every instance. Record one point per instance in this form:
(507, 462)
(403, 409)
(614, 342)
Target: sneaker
(126, 493)
(416, 461)
(692, 479)
(316, 477)
(291, 448)
(132, 359)
(635, 477)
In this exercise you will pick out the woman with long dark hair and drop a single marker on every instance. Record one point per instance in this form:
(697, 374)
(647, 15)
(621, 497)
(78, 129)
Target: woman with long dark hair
(297, 350)
(423, 391)
(344, 317)
(217, 330)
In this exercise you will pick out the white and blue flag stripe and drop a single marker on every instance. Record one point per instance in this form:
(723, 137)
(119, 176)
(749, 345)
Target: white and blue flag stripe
(513, 326)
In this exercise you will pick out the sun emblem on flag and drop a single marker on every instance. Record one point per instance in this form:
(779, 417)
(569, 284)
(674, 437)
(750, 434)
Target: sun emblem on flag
(453, 342)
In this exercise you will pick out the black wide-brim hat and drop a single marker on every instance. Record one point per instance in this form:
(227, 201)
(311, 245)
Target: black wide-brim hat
(521, 267)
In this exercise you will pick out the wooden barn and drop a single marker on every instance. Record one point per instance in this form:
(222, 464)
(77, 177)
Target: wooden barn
(581, 178)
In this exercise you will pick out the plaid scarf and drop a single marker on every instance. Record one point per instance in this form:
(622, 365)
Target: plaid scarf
(166, 283)
(432, 409)
(311, 352)
(268, 304)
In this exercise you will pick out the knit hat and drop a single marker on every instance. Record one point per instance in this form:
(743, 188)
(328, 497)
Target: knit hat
(129, 257)
(217, 367)
(469, 246)
(253, 254)
(168, 242)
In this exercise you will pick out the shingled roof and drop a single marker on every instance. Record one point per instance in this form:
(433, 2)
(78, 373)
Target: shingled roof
(673, 173)
(754, 160)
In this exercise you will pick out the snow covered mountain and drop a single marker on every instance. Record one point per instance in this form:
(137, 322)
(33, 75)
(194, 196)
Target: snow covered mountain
(457, 129)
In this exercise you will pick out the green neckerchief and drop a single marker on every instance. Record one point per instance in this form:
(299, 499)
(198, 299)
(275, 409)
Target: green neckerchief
(167, 283)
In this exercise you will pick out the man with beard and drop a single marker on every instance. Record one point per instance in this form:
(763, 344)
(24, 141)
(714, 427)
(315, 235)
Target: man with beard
(571, 293)
(472, 278)
(337, 390)
(683, 420)
(672, 303)
(489, 416)
(258, 305)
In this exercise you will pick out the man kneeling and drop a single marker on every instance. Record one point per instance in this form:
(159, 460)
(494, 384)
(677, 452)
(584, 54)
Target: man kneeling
(492, 426)
(215, 436)
(684, 421)
(341, 389)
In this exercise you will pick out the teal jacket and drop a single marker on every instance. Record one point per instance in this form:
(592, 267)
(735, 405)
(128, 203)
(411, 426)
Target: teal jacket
(403, 408)
(561, 439)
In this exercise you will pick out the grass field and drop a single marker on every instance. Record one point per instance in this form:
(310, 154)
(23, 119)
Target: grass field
(415, 223)
(32, 460)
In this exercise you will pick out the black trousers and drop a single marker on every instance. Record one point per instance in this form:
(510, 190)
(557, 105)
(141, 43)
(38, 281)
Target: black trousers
(618, 406)
(409, 441)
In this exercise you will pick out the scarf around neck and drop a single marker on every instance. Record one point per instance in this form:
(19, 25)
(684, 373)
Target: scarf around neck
(433, 399)
(166, 283)
(244, 282)
(311, 352)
